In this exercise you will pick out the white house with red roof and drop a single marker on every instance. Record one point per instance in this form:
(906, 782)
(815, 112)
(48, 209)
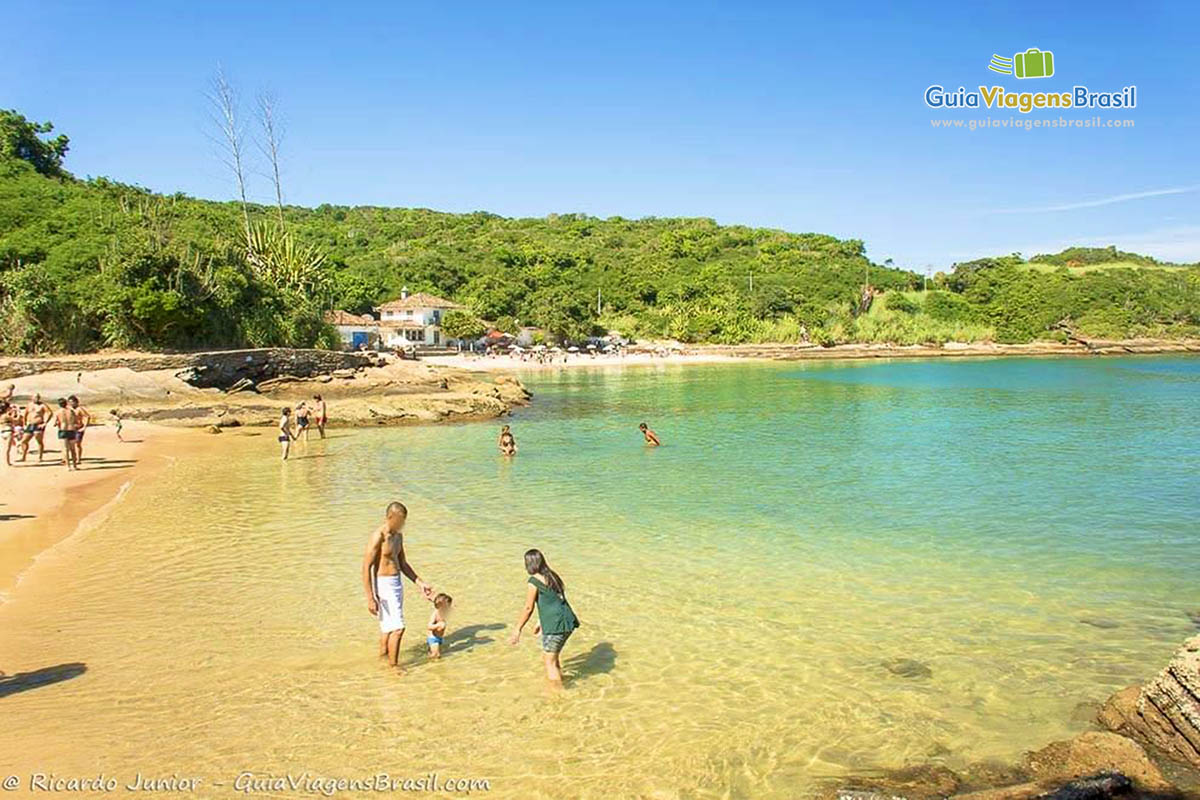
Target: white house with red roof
(355, 332)
(414, 320)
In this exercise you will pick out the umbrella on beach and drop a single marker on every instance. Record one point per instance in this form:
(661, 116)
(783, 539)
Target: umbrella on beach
(572, 349)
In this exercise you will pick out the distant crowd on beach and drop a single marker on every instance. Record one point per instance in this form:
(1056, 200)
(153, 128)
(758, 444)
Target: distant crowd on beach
(25, 425)
(385, 565)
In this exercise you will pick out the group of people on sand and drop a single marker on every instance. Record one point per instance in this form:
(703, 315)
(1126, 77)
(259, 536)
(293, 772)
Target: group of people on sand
(508, 443)
(295, 425)
(385, 565)
(26, 425)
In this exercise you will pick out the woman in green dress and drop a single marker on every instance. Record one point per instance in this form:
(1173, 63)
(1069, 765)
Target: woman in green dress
(556, 619)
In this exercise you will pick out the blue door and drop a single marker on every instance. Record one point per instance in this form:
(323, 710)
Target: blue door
(358, 339)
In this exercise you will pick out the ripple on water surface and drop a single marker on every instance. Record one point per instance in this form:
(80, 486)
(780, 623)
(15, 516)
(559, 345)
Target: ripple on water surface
(826, 568)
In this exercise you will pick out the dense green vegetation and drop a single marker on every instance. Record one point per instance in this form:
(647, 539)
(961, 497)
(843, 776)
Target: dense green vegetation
(89, 264)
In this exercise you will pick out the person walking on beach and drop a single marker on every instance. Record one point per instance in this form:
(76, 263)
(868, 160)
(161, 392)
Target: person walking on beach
(556, 619)
(322, 414)
(116, 415)
(651, 436)
(83, 418)
(384, 564)
(37, 417)
(507, 442)
(64, 420)
(285, 432)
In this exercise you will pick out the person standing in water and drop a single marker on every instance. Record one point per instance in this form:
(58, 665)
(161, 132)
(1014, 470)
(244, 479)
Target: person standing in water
(302, 413)
(556, 619)
(383, 566)
(651, 436)
(285, 432)
(322, 414)
(507, 442)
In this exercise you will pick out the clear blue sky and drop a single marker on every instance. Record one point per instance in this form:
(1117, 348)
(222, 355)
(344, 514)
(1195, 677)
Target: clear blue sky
(767, 114)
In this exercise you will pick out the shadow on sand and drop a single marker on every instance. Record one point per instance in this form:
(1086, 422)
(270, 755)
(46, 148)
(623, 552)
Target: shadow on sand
(24, 681)
(601, 659)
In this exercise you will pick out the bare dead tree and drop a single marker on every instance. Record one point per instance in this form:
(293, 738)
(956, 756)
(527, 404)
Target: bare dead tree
(223, 102)
(272, 133)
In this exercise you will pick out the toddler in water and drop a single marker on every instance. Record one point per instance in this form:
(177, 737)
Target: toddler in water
(437, 623)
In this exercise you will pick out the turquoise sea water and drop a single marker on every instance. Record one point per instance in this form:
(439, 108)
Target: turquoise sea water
(1025, 530)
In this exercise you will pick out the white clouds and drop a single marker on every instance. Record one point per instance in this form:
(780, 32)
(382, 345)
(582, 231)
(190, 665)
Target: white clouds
(1103, 201)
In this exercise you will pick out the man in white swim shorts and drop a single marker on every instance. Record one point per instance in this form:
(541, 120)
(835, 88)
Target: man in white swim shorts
(383, 567)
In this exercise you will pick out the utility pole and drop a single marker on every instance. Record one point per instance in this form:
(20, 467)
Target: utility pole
(752, 282)
(597, 301)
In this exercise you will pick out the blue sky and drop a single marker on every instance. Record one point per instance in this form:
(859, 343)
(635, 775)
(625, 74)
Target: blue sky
(765, 114)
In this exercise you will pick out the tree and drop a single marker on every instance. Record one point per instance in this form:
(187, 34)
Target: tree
(230, 139)
(272, 130)
(20, 138)
(462, 325)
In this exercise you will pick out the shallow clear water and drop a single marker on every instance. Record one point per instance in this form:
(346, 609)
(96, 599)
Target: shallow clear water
(1024, 529)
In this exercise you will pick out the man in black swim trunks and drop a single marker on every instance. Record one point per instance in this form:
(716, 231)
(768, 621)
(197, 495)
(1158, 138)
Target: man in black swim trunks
(37, 417)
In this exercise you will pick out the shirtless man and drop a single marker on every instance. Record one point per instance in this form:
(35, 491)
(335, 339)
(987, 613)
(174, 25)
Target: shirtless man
(651, 436)
(83, 418)
(10, 420)
(321, 413)
(66, 421)
(383, 566)
(37, 417)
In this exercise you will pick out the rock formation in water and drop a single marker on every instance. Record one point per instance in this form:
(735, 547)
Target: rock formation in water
(1165, 713)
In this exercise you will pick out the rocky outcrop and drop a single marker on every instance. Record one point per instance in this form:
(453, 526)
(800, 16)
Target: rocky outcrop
(237, 388)
(1164, 713)
(1092, 766)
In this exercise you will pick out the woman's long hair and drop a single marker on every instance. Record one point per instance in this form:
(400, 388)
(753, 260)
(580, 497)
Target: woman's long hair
(535, 564)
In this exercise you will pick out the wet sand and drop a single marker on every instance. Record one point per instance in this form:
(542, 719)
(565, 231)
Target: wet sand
(44, 503)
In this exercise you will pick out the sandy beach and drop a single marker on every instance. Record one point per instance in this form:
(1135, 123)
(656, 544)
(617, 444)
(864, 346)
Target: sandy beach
(44, 503)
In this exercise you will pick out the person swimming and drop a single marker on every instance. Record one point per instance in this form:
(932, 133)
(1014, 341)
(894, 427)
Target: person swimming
(651, 436)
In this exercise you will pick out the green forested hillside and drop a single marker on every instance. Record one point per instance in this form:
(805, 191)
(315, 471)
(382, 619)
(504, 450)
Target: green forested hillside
(90, 264)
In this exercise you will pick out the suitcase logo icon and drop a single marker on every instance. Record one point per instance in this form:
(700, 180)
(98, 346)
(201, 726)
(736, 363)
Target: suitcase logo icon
(1033, 63)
